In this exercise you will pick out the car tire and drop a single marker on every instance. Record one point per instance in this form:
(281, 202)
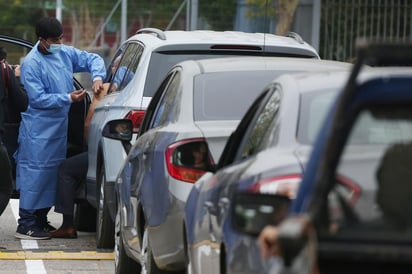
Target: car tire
(85, 217)
(123, 263)
(104, 223)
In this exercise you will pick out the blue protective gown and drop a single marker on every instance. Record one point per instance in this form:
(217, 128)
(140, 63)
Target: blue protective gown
(48, 79)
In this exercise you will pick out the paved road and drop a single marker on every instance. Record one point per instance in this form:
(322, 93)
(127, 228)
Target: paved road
(56, 256)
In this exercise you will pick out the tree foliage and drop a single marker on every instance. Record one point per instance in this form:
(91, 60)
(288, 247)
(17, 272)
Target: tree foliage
(283, 10)
(218, 14)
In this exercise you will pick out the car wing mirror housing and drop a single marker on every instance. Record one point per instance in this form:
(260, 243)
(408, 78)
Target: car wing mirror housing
(119, 129)
(294, 234)
(251, 212)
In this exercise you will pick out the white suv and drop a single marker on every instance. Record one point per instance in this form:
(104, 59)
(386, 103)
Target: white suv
(139, 65)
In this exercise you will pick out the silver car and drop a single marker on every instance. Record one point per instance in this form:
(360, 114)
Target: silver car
(137, 69)
(186, 126)
(264, 157)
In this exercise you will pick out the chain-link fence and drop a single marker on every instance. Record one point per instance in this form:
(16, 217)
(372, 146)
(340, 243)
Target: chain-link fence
(343, 21)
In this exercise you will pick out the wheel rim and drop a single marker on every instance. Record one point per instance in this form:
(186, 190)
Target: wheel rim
(143, 253)
(101, 206)
(117, 239)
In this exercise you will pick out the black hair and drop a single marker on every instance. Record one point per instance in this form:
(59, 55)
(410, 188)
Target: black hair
(49, 27)
(3, 53)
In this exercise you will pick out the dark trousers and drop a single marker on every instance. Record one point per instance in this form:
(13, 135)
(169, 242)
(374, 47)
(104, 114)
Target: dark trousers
(72, 173)
(6, 180)
(33, 217)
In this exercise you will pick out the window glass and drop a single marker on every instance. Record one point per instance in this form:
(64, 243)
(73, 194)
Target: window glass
(266, 118)
(162, 62)
(111, 69)
(214, 92)
(168, 108)
(313, 109)
(375, 177)
(124, 67)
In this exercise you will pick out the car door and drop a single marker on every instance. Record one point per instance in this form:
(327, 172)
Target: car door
(17, 50)
(352, 210)
(213, 192)
(131, 188)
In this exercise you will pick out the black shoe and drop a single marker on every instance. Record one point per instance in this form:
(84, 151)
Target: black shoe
(48, 227)
(31, 233)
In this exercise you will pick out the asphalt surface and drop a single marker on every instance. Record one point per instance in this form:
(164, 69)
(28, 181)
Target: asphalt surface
(49, 256)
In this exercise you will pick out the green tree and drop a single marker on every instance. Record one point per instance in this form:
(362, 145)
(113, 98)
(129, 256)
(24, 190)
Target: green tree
(218, 14)
(283, 10)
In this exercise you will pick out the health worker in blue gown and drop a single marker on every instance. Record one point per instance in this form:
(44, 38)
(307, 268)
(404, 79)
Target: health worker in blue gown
(47, 75)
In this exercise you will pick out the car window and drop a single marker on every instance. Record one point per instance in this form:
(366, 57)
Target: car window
(375, 177)
(167, 107)
(162, 61)
(124, 66)
(266, 119)
(214, 92)
(313, 108)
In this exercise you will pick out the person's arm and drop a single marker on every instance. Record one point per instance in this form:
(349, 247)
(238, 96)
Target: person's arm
(17, 94)
(268, 241)
(96, 99)
(93, 63)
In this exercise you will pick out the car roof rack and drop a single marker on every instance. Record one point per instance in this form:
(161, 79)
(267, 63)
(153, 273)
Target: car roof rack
(154, 31)
(295, 36)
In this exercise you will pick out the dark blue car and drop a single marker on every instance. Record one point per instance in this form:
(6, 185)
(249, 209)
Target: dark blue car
(365, 144)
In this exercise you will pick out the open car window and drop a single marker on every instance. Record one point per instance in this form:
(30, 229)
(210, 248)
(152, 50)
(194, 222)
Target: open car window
(372, 197)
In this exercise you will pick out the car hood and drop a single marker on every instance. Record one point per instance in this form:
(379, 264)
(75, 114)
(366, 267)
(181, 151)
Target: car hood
(216, 134)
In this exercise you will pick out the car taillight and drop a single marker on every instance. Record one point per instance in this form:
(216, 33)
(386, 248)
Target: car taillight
(188, 160)
(136, 116)
(282, 185)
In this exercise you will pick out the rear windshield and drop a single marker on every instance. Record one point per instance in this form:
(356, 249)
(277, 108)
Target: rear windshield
(162, 62)
(215, 93)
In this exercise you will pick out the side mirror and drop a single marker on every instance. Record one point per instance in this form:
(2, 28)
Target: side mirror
(120, 129)
(251, 212)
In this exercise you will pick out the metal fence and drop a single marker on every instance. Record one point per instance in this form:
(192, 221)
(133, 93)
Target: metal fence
(343, 21)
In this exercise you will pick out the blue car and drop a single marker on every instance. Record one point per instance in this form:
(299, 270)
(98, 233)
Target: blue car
(365, 143)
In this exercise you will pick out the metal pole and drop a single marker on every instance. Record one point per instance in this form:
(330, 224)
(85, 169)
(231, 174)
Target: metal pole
(316, 24)
(194, 9)
(123, 33)
(188, 3)
(176, 15)
(59, 10)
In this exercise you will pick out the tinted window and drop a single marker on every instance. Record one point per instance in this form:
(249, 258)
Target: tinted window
(268, 118)
(162, 62)
(215, 93)
(167, 107)
(124, 66)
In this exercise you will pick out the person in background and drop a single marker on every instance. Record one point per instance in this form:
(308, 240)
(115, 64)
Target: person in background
(12, 97)
(47, 76)
(72, 173)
